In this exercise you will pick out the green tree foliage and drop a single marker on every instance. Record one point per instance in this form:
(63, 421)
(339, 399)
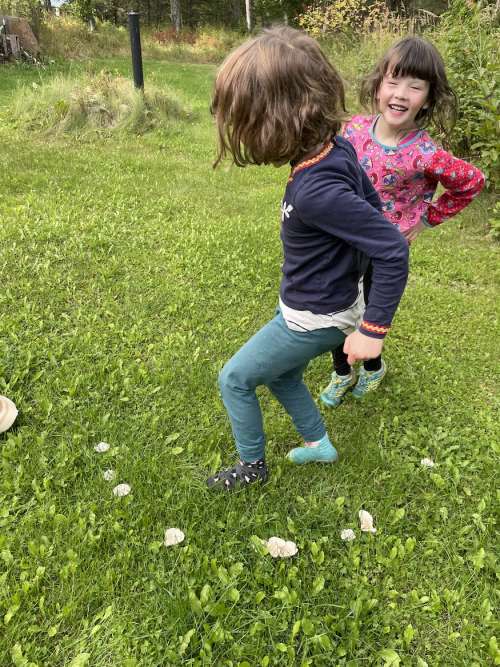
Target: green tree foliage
(30, 9)
(194, 13)
(468, 37)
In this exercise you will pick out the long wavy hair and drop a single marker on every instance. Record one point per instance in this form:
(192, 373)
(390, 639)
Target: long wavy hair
(276, 98)
(416, 57)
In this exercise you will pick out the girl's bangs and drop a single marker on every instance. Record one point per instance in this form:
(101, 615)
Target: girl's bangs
(410, 61)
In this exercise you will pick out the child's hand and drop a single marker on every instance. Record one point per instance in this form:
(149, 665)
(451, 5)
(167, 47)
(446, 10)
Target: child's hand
(359, 347)
(412, 233)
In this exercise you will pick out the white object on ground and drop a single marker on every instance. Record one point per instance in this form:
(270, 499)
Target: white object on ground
(109, 475)
(101, 447)
(279, 548)
(427, 463)
(8, 413)
(347, 535)
(173, 536)
(366, 521)
(122, 490)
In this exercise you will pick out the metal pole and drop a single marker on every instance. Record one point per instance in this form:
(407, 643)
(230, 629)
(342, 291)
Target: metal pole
(135, 46)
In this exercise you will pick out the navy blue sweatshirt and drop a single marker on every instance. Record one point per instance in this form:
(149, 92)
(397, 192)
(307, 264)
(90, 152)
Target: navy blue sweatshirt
(331, 220)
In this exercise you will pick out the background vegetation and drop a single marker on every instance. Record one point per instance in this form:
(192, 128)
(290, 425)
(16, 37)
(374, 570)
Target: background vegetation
(355, 32)
(130, 273)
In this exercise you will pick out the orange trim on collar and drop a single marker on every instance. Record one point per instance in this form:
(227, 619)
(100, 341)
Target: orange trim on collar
(327, 148)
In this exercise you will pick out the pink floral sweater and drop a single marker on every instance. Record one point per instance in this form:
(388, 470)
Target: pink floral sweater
(406, 176)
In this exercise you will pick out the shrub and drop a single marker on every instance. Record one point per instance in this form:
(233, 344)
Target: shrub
(494, 222)
(170, 36)
(206, 44)
(342, 17)
(102, 102)
(468, 39)
(68, 37)
(362, 20)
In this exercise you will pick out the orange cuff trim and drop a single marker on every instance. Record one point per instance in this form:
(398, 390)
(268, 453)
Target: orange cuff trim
(375, 328)
(311, 161)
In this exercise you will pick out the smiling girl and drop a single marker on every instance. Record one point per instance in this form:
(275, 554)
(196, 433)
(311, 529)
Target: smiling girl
(407, 90)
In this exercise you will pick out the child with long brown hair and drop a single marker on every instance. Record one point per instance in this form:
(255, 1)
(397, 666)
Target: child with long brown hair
(407, 90)
(277, 99)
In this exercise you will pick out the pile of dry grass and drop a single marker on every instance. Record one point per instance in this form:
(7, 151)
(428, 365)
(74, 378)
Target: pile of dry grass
(94, 102)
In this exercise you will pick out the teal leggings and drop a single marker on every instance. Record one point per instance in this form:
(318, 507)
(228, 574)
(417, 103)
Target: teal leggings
(275, 357)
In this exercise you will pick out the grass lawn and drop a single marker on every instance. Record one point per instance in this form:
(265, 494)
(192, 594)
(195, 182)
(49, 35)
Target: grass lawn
(130, 272)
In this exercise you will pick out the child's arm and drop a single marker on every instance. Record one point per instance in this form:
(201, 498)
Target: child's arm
(334, 207)
(461, 180)
(359, 347)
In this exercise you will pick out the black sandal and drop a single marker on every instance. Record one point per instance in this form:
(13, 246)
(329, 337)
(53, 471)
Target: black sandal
(242, 474)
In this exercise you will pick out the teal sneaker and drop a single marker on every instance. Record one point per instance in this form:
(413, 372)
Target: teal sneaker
(336, 390)
(324, 452)
(368, 380)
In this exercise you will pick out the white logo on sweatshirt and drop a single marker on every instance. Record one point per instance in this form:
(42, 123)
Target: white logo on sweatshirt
(286, 209)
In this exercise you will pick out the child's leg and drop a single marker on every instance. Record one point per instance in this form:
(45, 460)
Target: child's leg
(295, 397)
(371, 364)
(343, 376)
(343, 379)
(275, 356)
(373, 370)
(368, 379)
(340, 365)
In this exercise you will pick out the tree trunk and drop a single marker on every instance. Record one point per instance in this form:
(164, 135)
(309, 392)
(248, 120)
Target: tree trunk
(175, 15)
(249, 15)
(236, 13)
(188, 14)
(36, 20)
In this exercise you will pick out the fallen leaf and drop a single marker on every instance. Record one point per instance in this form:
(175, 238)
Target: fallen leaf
(347, 535)
(279, 548)
(366, 521)
(122, 490)
(8, 413)
(173, 536)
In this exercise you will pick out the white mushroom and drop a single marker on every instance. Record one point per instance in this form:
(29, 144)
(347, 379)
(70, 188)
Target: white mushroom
(347, 535)
(109, 475)
(173, 536)
(101, 447)
(427, 463)
(8, 413)
(122, 490)
(366, 521)
(279, 548)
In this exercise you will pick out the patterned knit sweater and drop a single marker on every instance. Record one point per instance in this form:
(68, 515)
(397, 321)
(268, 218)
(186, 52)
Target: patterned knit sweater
(330, 219)
(406, 176)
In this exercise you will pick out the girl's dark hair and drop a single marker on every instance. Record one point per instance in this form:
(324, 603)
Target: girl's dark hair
(275, 99)
(416, 57)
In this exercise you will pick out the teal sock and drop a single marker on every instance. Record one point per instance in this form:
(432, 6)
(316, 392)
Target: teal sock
(324, 452)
